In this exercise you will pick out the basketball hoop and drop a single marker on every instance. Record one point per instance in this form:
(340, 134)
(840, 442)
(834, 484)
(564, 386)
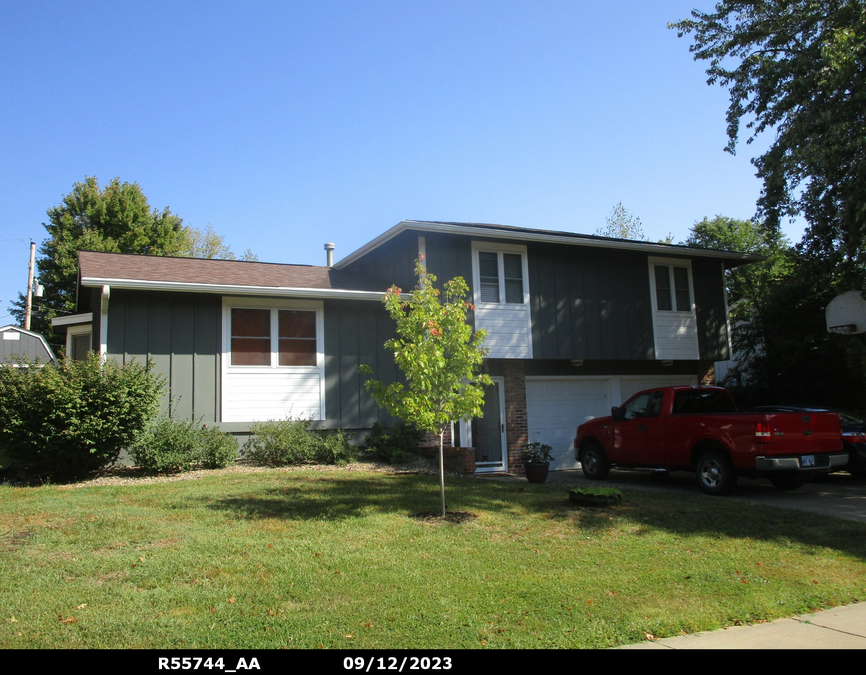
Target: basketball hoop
(846, 314)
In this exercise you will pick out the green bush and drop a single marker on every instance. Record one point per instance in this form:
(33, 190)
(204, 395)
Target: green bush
(76, 416)
(394, 445)
(173, 446)
(334, 448)
(290, 441)
(218, 449)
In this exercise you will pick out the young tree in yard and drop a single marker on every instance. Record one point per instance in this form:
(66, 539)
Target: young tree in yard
(440, 356)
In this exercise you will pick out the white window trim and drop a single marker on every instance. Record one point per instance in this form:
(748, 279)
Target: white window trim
(671, 263)
(657, 313)
(80, 329)
(275, 304)
(484, 247)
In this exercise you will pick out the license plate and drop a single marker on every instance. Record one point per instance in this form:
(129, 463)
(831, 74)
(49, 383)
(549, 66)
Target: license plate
(807, 460)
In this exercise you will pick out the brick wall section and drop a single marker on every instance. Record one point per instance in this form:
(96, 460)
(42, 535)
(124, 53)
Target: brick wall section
(431, 440)
(706, 373)
(516, 430)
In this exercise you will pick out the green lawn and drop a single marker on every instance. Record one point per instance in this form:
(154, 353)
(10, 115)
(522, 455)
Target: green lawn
(313, 558)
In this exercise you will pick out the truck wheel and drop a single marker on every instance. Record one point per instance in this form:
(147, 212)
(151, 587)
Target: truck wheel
(716, 474)
(594, 462)
(787, 482)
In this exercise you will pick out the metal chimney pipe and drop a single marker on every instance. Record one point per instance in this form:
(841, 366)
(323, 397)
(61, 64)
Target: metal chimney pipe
(329, 247)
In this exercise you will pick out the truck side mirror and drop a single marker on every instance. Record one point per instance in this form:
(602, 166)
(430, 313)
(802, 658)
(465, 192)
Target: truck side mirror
(617, 414)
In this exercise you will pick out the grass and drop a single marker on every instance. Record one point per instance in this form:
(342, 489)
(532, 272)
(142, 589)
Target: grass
(305, 559)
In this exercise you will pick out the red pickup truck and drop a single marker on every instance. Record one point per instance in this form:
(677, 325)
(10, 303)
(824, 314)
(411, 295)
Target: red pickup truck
(699, 429)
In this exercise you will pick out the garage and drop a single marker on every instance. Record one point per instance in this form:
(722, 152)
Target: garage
(555, 406)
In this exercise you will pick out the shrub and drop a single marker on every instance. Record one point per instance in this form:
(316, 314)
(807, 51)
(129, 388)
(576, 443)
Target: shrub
(334, 448)
(218, 449)
(395, 444)
(172, 446)
(290, 441)
(74, 417)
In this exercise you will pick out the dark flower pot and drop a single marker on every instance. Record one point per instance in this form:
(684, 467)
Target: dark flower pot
(536, 473)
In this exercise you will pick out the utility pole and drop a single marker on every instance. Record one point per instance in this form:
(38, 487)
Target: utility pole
(29, 306)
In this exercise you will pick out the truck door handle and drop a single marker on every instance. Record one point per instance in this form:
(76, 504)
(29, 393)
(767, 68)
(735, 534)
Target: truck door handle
(641, 427)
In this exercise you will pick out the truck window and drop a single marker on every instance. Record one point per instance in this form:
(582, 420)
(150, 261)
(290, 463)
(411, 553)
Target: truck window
(702, 401)
(644, 405)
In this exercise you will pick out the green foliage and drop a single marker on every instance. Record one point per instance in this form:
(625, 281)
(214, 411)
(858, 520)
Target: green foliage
(536, 453)
(797, 69)
(783, 351)
(173, 446)
(394, 445)
(437, 352)
(77, 416)
(210, 245)
(622, 225)
(217, 448)
(116, 218)
(439, 355)
(290, 441)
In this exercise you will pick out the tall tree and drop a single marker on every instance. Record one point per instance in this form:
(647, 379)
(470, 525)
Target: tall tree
(440, 356)
(622, 225)
(746, 285)
(797, 69)
(116, 218)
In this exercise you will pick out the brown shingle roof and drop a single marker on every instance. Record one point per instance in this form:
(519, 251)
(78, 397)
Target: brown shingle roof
(222, 272)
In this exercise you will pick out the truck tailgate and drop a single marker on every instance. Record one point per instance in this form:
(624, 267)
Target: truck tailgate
(797, 433)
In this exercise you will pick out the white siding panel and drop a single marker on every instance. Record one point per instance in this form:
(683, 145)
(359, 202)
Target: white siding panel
(271, 395)
(676, 336)
(507, 327)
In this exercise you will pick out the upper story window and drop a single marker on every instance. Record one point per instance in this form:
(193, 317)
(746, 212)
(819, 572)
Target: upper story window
(672, 287)
(273, 337)
(500, 274)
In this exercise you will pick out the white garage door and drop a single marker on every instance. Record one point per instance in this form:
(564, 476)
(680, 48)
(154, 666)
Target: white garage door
(555, 406)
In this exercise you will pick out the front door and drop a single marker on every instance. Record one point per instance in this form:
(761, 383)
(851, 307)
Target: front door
(488, 432)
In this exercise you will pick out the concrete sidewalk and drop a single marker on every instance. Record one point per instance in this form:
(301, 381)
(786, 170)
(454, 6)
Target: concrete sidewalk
(839, 628)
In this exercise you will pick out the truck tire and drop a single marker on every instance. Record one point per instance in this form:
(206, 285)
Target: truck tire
(593, 461)
(716, 473)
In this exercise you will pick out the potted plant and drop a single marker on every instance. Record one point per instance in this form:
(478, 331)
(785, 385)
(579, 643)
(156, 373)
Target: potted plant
(536, 460)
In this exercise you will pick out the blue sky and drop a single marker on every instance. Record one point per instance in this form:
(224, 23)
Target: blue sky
(288, 124)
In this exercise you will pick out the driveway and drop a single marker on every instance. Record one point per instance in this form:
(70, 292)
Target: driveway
(836, 494)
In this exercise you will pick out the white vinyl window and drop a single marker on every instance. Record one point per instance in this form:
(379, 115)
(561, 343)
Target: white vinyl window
(672, 287)
(500, 275)
(273, 337)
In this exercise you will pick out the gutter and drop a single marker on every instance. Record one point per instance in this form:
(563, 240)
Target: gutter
(231, 289)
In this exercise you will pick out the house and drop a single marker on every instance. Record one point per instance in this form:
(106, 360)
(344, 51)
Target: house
(17, 343)
(575, 323)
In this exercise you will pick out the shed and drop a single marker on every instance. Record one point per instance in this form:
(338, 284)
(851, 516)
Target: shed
(17, 343)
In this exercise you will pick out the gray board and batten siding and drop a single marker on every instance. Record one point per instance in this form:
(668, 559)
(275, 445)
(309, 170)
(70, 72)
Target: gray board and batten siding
(586, 302)
(180, 333)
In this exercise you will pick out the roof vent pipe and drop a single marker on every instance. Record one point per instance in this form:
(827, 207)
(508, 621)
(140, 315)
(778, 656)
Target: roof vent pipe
(329, 247)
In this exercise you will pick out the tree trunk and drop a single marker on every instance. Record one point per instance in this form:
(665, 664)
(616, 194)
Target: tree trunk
(442, 469)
